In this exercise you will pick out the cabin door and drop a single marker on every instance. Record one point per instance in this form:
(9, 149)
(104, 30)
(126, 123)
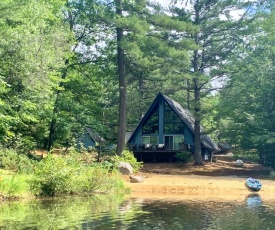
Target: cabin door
(173, 142)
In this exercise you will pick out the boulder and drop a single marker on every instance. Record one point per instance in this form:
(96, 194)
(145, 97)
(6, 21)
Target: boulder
(125, 168)
(136, 179)
(239, 163)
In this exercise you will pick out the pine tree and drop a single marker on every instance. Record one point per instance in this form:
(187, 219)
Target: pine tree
(218, 34)
(146, 52)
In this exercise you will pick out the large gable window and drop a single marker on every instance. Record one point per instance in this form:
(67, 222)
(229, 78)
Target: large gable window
(172, 123)
(151, 126)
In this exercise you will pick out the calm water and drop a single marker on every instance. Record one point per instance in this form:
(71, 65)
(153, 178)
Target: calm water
(106, 213)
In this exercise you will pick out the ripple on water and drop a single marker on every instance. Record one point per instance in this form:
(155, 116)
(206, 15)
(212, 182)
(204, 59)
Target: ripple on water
(138, 214)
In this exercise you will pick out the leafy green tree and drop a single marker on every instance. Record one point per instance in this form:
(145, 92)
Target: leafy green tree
(33, 43)
(81, 88)
(247, 102)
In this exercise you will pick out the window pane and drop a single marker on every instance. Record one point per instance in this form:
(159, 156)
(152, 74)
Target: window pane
(168, 142)
(151, 126)
(146, 129)
(172, 123)
(145, 140)
(154, 140)
(178, 142)
(178, 128)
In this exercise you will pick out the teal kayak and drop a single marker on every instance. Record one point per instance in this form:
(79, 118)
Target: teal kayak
(253, 184)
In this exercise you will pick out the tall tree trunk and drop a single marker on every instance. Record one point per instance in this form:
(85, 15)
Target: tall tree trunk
(54, 124)
(141, 98)
(122, 85)
(51, 133)
(188, 94)
(197, 131)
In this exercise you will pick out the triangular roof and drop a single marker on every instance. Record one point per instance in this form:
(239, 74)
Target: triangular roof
(128, 136)
(185, 115)
(95, 136)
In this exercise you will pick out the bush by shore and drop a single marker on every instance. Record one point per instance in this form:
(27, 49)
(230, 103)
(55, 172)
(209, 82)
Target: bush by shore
(55, 175)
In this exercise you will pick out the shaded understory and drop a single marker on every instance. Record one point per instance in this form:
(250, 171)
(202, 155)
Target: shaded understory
(224, 166)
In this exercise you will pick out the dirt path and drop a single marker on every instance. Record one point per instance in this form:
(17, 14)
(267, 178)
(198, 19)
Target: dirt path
(213, 181)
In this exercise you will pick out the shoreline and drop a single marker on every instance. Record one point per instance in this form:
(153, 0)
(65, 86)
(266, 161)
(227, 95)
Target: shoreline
(194, 187)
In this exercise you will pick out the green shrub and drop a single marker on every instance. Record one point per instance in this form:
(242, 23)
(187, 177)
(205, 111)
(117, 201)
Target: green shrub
(11, 160)
(127, 156)
(21, 143)
(68, 174)
(183, 156)
(247, 156)
(108, 164)
(51, 176)
(96, 178)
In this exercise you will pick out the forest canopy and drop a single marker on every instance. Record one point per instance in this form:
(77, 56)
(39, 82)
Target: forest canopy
(70, 64)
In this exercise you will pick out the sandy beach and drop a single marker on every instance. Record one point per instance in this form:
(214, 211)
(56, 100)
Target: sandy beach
(223, 182)
(199, 188)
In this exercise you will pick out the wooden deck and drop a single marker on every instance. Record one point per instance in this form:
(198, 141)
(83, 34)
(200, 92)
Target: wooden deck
(155, 155)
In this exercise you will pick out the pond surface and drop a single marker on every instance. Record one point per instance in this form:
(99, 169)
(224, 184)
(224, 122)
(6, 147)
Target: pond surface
(107, 213)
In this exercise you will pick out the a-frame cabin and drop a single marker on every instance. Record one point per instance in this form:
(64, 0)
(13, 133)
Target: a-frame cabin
(165, 129)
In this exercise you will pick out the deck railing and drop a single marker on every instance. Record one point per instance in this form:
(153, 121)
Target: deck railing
(150, 147)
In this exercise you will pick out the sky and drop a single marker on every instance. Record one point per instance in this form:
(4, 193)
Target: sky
(164, 2)
(236, 14)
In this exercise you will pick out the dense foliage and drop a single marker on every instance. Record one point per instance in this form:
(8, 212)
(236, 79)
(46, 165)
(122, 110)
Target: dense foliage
(66, 65)
(19, 163)
(57, 175)
(247, 102)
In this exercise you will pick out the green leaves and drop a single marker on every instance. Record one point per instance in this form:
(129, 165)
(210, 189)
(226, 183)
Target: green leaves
(248, 100)
(34, 41)
(57, 175)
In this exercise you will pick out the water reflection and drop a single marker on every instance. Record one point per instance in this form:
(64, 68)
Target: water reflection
(113, 213)
(253, 200)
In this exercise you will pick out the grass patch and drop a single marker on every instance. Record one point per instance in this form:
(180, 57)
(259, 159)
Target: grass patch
(14, 185)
